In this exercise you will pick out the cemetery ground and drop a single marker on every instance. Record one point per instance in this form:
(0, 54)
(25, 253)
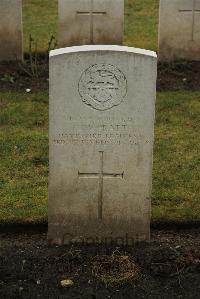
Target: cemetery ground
(168, 267)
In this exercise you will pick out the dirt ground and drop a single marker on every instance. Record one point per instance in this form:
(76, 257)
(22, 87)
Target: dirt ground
(179, 75)
(167, 267)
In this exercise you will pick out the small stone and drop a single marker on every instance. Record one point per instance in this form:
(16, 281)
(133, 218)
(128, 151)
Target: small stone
(28, 90)
(66, 283)
(38, 281)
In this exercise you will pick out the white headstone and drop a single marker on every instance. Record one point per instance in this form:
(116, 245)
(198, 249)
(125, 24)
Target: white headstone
(102, 102)
(179, 30)
(83, 22)
(11, 30)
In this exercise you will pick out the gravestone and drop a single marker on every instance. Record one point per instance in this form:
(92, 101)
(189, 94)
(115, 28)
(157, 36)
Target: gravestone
(102, 102)
(11, 30)
(179, 30)
(84, 22)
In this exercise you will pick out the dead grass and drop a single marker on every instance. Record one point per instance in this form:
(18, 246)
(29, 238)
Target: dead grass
(115, 269)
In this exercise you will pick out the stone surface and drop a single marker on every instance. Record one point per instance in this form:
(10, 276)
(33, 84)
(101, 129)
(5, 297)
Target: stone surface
(102, 102)
(84, 22)
(11, 30)
(179, 30)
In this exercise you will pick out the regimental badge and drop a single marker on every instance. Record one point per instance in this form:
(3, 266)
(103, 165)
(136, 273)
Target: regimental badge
(102, 86)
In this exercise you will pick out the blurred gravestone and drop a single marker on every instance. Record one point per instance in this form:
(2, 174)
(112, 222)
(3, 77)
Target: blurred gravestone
(179, 30)
(90, 22)
(11, 30)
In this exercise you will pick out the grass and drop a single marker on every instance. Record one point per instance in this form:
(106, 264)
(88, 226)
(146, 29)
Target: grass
(40, 19)
(176, 180)
(141, 24)
(24, 157)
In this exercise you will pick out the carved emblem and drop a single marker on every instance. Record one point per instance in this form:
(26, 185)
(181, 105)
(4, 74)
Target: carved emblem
(102, 86)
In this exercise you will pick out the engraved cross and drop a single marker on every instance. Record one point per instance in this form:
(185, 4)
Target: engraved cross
(194, 11)
(91, 14)
(100, 175)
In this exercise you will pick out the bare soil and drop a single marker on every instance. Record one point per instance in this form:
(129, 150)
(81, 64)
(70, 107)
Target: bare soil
(179, 75)
(168, 267)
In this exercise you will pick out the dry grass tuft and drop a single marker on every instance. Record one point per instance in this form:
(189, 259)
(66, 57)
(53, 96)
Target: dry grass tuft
(115, 269)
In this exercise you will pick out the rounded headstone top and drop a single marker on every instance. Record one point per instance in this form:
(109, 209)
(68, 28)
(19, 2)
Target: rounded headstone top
(111, 48)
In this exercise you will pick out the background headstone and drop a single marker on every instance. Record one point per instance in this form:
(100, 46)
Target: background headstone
(179, 30)
(11, 30)
(90, 22)
(102, 102)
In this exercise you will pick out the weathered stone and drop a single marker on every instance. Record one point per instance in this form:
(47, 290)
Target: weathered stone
(179, 30)
(90, 22)
(11, 30)
(102, 102)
